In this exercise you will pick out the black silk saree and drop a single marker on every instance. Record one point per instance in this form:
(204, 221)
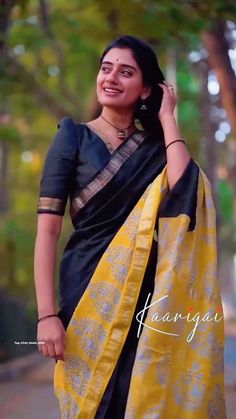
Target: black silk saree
(98, 206)
(104, 189)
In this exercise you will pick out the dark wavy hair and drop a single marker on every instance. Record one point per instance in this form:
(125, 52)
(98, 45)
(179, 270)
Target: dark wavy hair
(151, 74)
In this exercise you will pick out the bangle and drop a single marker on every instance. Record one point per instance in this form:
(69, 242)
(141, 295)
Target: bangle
(45, 317)
(175, 141)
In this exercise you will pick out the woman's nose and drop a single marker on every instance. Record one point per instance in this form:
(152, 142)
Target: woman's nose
(112, 76)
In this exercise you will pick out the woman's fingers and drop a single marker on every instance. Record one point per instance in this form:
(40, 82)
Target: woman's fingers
(41, 343)
(54, 341)
(166, 88)
(45, 349)
(170, 93)
(55, 350)
(60, 350)
(170, 88)
(51, 348)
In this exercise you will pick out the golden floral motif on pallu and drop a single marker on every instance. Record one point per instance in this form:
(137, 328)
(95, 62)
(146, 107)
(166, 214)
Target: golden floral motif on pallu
(189, 388)
(215, 407)
(208, 346)
(68, 406)
(78, 382)
(131, 224)
(152, 413)
(105, 298)
(119, 258)
(164, 368)
(91, 335)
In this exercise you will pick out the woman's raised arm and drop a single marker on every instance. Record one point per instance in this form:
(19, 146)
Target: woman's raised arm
(178, 156)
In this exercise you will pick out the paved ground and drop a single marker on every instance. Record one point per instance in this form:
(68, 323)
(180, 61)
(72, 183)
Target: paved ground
(30, 395)
(230, 369)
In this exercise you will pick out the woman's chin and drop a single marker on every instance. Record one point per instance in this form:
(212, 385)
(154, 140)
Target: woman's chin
(111, 103)
(114, 103)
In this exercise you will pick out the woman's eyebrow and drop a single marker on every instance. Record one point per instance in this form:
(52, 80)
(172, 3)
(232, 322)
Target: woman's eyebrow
(122, 65)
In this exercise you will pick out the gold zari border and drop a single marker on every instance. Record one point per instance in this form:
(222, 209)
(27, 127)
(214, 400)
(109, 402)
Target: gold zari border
(104, 177)
(51, 204)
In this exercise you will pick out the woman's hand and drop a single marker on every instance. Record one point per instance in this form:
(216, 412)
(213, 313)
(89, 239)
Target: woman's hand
(52, 335)
(168, 101)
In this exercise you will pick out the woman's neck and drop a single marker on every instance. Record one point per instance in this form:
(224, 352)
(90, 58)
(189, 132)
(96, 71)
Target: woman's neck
(119, 119)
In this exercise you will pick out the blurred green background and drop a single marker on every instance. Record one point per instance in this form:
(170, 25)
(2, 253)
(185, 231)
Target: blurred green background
(49, 52)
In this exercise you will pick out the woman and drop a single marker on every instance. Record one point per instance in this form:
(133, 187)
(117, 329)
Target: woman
(144, 242)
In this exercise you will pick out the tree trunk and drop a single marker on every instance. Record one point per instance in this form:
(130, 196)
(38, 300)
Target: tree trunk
(209, 150)
(208, 128)
(171, 72)
(217, 46)
(4, 152)
(6, 7)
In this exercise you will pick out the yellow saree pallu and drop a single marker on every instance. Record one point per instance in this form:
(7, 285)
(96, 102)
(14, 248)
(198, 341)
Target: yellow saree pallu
(178, 369)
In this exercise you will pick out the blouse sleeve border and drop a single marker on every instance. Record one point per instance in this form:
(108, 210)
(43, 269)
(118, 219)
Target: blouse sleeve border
(51, 205)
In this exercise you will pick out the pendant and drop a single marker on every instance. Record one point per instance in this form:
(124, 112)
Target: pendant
(121, 134)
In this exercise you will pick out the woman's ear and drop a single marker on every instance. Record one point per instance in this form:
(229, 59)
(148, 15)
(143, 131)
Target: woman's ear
(146, 92)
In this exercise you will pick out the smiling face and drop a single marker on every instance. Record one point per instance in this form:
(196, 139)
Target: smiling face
(119, 81)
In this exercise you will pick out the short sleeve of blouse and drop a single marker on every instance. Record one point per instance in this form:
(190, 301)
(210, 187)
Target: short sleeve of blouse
(59, 167)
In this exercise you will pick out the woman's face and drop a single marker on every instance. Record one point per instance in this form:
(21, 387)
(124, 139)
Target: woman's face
(119, 81)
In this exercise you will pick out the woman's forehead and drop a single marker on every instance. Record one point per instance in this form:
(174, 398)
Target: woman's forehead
(120, 55)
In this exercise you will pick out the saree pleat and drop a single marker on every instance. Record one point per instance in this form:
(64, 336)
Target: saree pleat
(172, 376)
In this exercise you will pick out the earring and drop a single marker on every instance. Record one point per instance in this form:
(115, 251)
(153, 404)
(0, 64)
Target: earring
(143, 106)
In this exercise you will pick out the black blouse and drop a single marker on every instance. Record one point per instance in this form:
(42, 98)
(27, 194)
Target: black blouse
(75, 155)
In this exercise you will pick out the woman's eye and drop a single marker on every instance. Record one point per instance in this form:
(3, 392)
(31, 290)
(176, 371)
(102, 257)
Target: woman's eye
(105, 69)
(127, 73)
(124, 72)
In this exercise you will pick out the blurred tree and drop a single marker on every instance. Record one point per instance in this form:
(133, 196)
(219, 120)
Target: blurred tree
(218, 47)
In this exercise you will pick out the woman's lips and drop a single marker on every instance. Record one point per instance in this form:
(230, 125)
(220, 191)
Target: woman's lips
(111, 91)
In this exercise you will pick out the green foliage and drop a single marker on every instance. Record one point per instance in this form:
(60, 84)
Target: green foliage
(10, 134)
(226, 201)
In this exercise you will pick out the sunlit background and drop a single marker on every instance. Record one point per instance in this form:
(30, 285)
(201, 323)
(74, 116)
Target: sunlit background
(49, 60)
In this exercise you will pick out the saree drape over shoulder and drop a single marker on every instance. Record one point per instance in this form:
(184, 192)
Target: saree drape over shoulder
(139, 294)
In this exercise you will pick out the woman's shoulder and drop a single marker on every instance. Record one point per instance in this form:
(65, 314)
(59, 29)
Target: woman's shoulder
(69, 126)
(65, 141)
(73, 136)
(67, 123)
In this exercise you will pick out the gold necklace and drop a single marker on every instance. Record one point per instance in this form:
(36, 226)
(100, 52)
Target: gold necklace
(121, 132)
